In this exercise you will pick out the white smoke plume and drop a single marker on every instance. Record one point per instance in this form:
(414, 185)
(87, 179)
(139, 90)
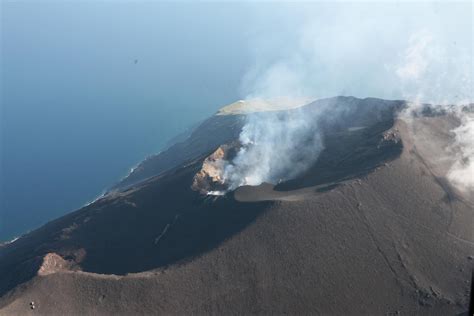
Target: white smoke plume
(415, 60)
(427, 73)
(461, 173)
(275, 146)
(391, 51)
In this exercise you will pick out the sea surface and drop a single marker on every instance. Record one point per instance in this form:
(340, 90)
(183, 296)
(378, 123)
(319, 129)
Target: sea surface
(90, 89)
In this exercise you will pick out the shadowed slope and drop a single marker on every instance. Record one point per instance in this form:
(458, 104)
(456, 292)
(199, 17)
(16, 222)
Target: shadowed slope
(384, 241)
(207, 136)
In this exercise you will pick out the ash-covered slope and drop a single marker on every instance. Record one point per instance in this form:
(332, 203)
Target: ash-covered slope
(372, 227)
(214, 131)
(225, 126)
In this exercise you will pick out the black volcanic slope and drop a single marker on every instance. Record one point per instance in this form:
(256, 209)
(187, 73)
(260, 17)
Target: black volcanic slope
(372, 228)
(210, 134)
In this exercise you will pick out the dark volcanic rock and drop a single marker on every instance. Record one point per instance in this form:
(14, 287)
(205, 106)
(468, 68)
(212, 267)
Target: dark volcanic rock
(208, 136)
(372, 228)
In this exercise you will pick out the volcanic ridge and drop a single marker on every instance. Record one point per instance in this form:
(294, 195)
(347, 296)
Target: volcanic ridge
(370, 226)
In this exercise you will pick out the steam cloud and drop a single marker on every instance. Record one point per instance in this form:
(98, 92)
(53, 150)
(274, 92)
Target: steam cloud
(423, 58)
(350, 54)
(275, 146)
(462, 171)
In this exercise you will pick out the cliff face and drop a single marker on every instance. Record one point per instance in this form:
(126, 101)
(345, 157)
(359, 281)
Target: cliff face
(210, 177)
(373, 227)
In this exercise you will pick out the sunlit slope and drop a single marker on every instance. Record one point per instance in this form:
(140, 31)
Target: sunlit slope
(381, 231)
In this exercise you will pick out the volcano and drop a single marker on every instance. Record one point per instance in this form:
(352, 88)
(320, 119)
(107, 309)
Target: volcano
(371, 227)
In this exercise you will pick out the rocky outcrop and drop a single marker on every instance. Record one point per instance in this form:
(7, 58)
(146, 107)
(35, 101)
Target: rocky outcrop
(210, 177)
(53, 263)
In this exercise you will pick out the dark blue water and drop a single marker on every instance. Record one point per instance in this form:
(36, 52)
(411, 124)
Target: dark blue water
(89, 88)
(77, 110)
